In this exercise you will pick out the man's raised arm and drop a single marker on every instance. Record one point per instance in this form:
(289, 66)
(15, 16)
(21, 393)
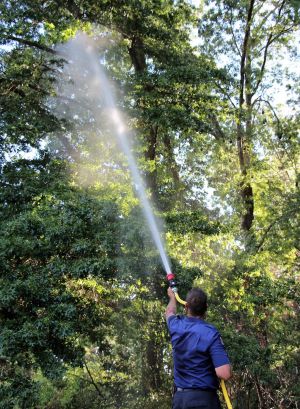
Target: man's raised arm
(171, 307)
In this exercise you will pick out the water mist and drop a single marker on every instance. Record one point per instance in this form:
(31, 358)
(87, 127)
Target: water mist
(81, 49)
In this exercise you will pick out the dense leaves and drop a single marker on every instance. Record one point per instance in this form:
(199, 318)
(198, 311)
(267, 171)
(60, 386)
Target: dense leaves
(50, 235)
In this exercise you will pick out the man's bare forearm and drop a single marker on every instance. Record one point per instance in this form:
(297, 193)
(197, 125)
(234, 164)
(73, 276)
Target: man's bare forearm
(171, 307)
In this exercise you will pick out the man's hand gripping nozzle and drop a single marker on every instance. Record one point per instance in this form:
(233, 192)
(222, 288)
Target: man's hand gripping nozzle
(172, 282)
(173, 285)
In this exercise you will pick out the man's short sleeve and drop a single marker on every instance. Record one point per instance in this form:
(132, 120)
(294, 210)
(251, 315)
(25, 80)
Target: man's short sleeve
(174, 323)
(171, 321)
(217, 351)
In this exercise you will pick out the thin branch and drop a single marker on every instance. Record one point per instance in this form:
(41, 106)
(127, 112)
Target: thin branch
(75, 101)
(270, 41)
(272, 109)
(279, 34)
(13, 88)
(262, 68)
(90, 383)
(30, 43)
(92, 379)
(224, 92)
(257, 100)
(244, 52)
(83, 379)
(258, 8)
(217, 130)
(262, 23)
(279, 125)
(233, 36)
(281, 7)
(271, 225)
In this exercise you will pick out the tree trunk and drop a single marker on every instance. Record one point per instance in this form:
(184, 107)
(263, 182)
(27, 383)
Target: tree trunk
(137, 55)
(244, 126)
(150, 155)
(175, 171)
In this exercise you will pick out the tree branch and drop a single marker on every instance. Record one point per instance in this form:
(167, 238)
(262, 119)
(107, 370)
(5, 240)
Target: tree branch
(244, 51)
(217, 130)
(271, 225)
(224, 92)
(272, 109)
(13, 88)
(31, 43)
(270, 41)
(262, 68)
(233, 36)
(92, 379)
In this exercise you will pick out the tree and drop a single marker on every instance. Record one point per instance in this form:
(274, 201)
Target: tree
(51, 236)
(83, 237)
(248, 35)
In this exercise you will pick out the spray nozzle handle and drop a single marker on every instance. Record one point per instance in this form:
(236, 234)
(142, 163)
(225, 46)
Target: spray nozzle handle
(172, 282)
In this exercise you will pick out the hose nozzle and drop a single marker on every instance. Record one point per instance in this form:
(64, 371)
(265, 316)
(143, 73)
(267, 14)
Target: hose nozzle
(172, 282)
(173, 285)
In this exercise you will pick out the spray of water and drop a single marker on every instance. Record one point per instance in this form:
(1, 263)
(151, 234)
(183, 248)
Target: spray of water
(82, 47)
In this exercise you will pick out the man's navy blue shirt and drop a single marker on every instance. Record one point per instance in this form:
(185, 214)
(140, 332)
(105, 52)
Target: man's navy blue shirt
(197, 350)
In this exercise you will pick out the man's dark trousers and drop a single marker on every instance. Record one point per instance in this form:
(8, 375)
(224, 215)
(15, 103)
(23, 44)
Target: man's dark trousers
(195, 399)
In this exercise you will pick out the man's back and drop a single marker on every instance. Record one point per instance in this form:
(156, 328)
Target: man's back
(197, 351)
(199, 354)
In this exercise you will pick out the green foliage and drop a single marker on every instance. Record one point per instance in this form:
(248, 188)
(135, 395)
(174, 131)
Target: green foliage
(185, 222)
(51, 235)
(26, 79)
(82, 289)
(17, 387)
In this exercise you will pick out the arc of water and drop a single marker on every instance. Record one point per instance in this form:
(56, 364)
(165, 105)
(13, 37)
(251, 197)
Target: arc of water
(80, 52)
(120, 132)
(147, 209)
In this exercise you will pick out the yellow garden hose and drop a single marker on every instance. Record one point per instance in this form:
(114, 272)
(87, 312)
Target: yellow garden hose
(225, 394)
(178, 298)
(223, 387)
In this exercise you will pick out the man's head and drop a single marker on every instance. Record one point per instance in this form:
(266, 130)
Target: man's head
(196, 302)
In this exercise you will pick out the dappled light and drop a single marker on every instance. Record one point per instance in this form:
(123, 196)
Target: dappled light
(148, 148)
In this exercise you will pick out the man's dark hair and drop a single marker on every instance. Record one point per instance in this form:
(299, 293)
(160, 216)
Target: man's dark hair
(197, 301)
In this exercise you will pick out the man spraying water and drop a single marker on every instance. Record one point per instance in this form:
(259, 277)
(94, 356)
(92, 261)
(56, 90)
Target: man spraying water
(197, 345)
(200, 358)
